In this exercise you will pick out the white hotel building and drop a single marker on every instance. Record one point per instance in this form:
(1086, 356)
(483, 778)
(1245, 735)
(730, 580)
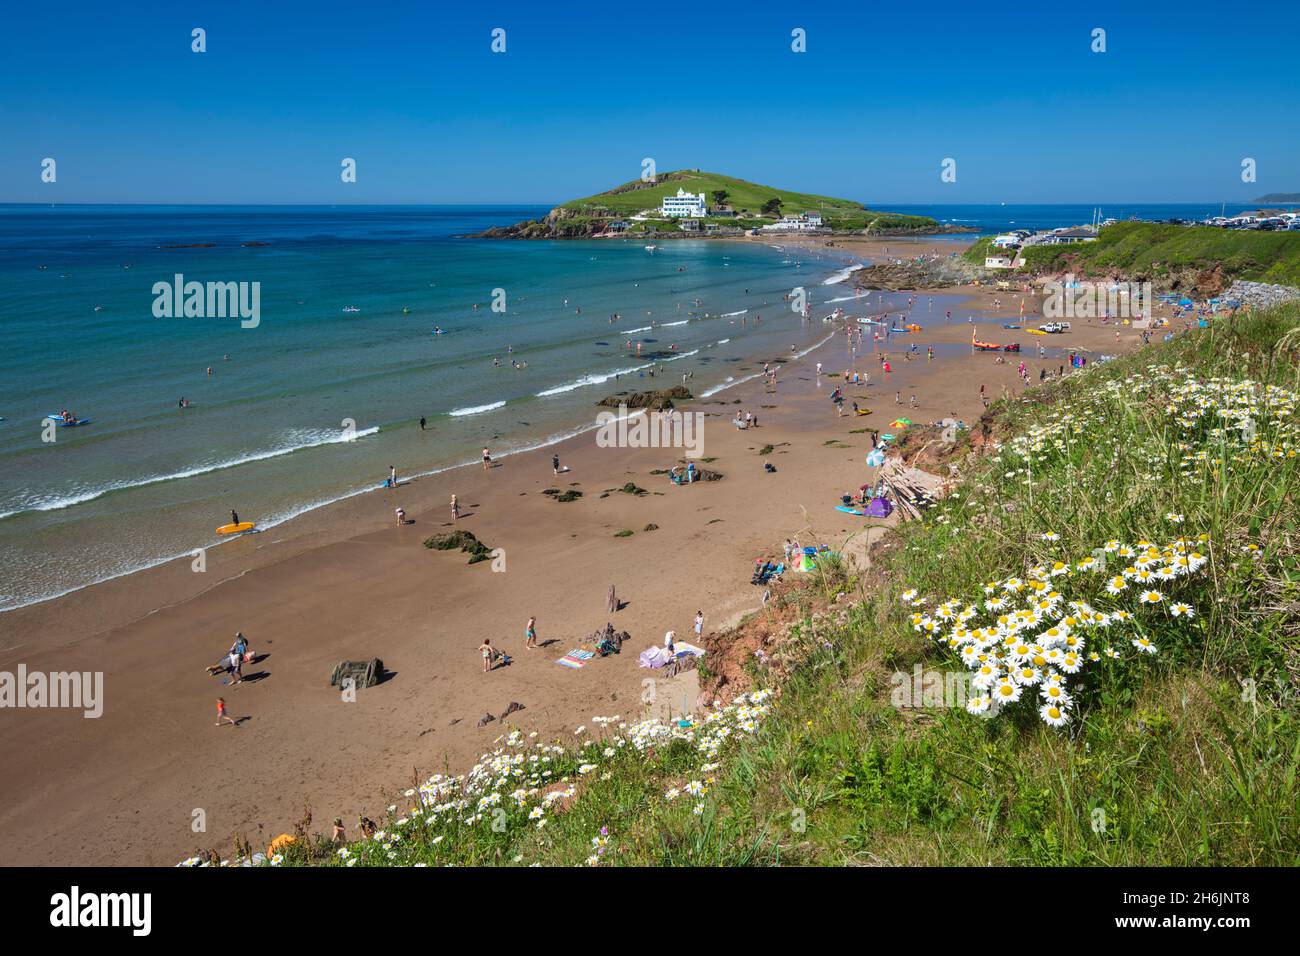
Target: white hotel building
(684, 204)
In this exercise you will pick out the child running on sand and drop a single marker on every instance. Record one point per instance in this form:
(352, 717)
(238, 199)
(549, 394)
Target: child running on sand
(487, 460)
(222, 715)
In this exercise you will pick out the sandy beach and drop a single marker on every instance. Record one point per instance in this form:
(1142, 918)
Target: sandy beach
(345, 582)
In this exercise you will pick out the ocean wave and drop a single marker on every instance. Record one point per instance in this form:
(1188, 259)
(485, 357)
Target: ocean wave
(59, 502)
(731, 382)
(727, 315)
(838, 277)
(599, 378)
(476, 409)
(10, 604)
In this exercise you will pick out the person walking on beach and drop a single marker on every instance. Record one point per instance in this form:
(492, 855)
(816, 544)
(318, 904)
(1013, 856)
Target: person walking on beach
(401, 517)
(422, 423)
(488, 653)
(670, 644)
(487, 460)
(392, 476)
(530, 633)
(455, 509)
(222, 716)
(699, 624)
(555, 463)
(234, 518)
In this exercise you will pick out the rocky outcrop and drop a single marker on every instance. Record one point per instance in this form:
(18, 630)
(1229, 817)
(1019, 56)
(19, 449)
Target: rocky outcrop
(917, 274)
(655, 401)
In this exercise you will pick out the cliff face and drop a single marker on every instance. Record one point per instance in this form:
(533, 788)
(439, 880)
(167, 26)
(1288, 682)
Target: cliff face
(559, 223)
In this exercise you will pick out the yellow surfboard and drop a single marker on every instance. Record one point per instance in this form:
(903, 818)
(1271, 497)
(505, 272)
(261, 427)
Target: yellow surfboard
(236, 528)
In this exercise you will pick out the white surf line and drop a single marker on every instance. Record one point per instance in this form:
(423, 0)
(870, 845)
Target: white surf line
(279, 519)
(729, 383)
(476, 409)
(58, 504)
(599, 378)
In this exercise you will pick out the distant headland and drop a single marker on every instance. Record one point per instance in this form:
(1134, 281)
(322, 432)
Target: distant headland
(690, 203)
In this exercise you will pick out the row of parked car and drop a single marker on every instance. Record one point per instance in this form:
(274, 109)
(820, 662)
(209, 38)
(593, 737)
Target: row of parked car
(1271, 224)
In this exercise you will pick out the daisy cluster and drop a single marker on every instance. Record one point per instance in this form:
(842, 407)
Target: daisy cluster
(1214, 420)
(524, 783)
(1028, 640)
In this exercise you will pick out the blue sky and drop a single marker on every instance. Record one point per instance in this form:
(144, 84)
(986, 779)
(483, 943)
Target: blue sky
(586, 90)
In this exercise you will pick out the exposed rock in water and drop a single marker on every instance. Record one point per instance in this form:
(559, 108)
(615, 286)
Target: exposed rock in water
(655, 401)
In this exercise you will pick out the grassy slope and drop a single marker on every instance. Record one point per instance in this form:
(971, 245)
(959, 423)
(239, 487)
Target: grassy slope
(1167, 762)
(1170, 764)
(1144, 248)
(743, 196)
(746, 198)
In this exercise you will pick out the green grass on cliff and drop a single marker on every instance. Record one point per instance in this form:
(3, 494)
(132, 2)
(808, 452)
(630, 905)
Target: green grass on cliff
(1156, 250)
(1188, 756)
(743, 196)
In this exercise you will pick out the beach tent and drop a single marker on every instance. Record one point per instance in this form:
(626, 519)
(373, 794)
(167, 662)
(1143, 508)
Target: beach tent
(653, 657)
(880, 508)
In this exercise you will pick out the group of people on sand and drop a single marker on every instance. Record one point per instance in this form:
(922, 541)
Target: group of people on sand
(493, 656)
(232, 664)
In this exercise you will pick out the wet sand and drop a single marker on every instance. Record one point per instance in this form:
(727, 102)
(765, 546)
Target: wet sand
(346, 582)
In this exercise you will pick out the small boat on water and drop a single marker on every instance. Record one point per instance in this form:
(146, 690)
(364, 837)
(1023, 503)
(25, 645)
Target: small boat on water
(651, 248)
(351, 308)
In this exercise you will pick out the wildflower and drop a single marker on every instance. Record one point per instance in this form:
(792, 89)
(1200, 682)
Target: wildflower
(1179, 609)
(1053, 715)
(1151, 597)
(1144, 645)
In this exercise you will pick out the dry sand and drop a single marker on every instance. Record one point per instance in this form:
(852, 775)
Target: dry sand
(345, 582)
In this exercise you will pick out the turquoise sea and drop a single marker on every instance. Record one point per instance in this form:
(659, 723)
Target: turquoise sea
(266, 433)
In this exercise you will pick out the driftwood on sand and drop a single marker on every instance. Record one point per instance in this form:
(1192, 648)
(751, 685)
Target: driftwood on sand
(910, 488)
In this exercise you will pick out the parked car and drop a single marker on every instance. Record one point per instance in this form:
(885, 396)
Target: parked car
(1054, 328)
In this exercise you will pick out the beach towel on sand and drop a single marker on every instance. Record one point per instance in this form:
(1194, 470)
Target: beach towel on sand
(575, 658)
